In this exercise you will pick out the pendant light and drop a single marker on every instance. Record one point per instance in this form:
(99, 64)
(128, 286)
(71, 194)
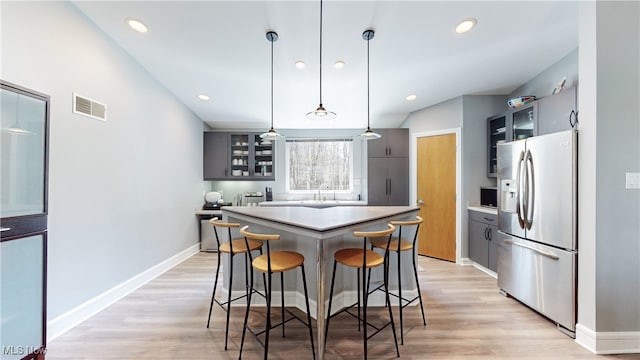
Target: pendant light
(272, 36)
(321, 113)
(368, 134)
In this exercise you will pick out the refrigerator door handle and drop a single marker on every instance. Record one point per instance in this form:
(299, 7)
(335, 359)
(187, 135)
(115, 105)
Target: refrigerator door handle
(519, 191)
(531, 190)
(543, 253)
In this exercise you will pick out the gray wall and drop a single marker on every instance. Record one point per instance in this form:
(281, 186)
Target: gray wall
(617, 152)
(544, 83)
(122, 193)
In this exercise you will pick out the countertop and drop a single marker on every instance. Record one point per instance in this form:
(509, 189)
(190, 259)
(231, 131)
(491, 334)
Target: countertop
(484, 209)
(208, 212)
(319, 220)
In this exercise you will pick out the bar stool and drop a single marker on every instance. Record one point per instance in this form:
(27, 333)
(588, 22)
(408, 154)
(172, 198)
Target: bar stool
(231, 247)
(269, 263)
(364, 260)
(398, 244)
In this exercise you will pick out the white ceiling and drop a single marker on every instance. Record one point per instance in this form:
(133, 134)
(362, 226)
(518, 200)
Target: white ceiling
(219, 48)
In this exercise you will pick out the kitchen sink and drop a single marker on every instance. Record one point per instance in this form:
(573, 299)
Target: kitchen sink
(314, 203)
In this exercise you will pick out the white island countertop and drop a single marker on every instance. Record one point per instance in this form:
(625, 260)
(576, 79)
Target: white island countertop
(320, 220)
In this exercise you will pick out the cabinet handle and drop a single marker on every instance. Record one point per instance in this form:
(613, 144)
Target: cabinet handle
(488, 219)
(573, 118)
(485, 233)
(4, 229)
(490, 233)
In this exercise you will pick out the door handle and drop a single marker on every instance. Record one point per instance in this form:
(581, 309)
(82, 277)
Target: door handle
(531, 190)
(519, 191)
(420, 202)
(4, 229)
(544, 253)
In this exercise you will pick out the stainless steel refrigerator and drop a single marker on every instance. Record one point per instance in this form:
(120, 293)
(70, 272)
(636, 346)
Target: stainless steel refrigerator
(537, 220)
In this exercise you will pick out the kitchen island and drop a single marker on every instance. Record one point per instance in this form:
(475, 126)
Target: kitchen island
(317, 233)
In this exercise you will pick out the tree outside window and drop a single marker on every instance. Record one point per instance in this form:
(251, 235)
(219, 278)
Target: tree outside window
(319, 164)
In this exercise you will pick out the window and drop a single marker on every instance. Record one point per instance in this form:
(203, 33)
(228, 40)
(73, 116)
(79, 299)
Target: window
(319, 164)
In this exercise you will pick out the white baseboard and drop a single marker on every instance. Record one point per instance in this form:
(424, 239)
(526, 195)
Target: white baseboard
(77, 315)
(614, 342)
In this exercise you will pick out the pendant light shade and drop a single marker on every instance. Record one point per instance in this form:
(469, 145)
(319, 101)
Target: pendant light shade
(321, 113)
(272, 36)
(368, 134)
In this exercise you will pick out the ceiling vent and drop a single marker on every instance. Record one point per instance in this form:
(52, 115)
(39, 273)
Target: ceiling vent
(88, 107)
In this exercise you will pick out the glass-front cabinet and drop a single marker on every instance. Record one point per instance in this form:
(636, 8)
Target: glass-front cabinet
(24, 116)
(251, 157)
(524, 122)
(497, 132)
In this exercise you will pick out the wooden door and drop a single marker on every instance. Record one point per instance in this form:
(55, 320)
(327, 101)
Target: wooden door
(436, 187)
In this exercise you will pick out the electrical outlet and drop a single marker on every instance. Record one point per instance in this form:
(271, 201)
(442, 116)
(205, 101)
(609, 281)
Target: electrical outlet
(632, 181)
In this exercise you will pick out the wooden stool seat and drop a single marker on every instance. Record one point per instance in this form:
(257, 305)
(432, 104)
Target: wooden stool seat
(280, 261)
(381, 243)
(239, 246)
(354, 258)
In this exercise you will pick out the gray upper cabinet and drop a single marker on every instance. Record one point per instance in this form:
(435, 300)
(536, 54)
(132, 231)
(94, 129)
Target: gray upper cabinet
(237, 156)
(216, 149)
(394, 143)
(557, 112)
(388, 168)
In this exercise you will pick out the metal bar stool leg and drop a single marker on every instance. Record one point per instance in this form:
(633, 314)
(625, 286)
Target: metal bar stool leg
(246, 317)
(306, 299)
(282, 299)
(213, 294)
(365, 297)
(393, 326)
(268, 327)
(400, 297)
(326, 325)
(415, 273)
(226, 331)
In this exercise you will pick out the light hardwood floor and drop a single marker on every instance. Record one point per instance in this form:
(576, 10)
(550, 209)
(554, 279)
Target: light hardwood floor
(466, 319)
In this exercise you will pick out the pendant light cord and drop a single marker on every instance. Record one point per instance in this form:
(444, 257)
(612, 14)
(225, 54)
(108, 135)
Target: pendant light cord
(320, 52)
(271, 84)
(368, 116)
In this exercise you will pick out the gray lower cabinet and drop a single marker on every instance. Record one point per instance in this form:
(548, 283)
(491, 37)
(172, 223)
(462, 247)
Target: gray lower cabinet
(216, 150)
(388, 181)
(482, 232)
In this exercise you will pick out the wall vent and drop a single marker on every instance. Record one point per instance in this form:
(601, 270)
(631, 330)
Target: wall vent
(93, 109)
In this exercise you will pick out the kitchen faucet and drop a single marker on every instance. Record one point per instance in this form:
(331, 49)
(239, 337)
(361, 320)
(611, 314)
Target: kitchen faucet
(319, 188)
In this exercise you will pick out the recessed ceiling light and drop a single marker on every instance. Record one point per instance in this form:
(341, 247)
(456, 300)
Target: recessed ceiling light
(411, 97)
(137, 25)
(339, 64)
(203, 97)
(300, 64)
(465, 25)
